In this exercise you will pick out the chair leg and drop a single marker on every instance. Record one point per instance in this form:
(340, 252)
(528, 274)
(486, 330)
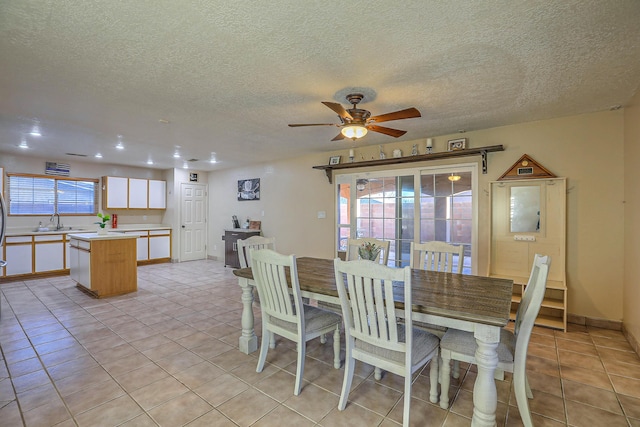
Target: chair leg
(349, 364)
(519, 386)
(433, 376)
(445, 381)
(323, 339)
(377, 373)
(264, 348)
(456, 369)
(526, 382)
(336, 347)
(272, 340)
(407, 401)
(302, 347)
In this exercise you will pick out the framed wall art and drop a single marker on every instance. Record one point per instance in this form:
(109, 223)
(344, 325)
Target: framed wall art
(334, 160)
(249, 189)
(457, 144)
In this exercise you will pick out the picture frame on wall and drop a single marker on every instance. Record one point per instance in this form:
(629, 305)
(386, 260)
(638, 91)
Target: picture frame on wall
(334, 160)
(248, 189)
(457, 144)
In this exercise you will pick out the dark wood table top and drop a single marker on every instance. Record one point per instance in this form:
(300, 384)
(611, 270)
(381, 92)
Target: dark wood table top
(477, 299)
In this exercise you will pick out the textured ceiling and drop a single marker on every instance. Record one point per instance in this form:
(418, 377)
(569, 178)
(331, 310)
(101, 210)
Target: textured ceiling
(229, 76)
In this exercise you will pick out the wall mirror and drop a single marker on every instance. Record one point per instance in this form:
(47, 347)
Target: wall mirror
(525, 209)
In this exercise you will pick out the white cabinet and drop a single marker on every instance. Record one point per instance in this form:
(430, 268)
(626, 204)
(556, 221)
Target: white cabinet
(49, 252)
(142, 244)
(159, 244)
(19, 255)
(157, 194)
(80, 252)
(133, 193)
(115, 192)
(138, 193)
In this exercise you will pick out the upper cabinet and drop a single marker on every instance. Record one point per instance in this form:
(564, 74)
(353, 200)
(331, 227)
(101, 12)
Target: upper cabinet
(133, 193)
(138, 193)
(115, 192)
(157, 194)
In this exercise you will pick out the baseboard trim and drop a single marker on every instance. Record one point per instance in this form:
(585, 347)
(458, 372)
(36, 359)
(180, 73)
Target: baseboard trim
(632, 340)
(596, 323)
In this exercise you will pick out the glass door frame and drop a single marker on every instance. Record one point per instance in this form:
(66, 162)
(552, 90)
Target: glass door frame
(352, 178)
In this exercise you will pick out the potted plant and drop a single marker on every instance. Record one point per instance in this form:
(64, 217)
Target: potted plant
(102, 223)
(369, 251)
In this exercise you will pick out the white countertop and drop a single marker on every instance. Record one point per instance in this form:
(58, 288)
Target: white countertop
(24, 231)
(96, 236)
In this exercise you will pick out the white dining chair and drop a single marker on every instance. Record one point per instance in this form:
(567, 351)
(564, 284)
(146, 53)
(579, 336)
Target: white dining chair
(373, 334)
(253, 242)
(354, 244)
(437, 256)
(513, 346)
(289, 317)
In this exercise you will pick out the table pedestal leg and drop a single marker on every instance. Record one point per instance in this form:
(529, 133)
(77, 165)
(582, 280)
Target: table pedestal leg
(248, 341)
(485, 396)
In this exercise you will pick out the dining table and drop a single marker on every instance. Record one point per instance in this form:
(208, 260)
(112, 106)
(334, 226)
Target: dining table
(466, 302)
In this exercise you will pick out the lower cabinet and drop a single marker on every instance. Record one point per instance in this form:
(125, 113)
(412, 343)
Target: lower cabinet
(231, 238)
(159, 244)
(105, 266)
(19, 255)
(49, 253)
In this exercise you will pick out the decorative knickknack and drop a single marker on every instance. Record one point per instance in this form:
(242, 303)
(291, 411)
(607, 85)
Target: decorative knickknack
(103, 223)
(369, 251)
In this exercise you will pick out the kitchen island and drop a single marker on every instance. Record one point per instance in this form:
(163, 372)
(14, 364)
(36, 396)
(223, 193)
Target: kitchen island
(104, 265)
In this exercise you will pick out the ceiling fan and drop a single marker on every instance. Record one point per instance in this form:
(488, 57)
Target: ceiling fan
(356, 121)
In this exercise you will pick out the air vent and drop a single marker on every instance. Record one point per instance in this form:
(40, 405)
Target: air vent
(75, 154)
(193, 160)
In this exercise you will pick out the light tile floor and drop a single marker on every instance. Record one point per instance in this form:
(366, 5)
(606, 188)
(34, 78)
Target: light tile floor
(167, 355)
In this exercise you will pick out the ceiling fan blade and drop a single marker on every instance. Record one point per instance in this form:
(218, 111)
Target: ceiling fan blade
(339, 109)
(295, 125)
(409, 113)
(338, 137)
(387, 131)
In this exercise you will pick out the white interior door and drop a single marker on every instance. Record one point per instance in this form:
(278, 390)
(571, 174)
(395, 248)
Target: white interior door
(193, 228)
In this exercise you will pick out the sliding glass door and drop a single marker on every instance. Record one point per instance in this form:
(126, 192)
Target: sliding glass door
(407, 206)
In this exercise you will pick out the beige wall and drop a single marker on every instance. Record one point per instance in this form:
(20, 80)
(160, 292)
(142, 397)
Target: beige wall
(587, 149)
(632, 219)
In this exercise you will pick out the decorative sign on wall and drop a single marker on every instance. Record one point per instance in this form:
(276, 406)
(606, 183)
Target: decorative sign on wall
(249, 189)
(193, 177)
(59, 169)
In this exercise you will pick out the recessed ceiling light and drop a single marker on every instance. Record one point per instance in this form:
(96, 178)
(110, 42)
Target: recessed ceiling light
(120, 146)
(213, 157)
(185, 165)
(35, 130)
(98, 155)
(23, 144)
(149, 162)
(164, 121)
(176, 155)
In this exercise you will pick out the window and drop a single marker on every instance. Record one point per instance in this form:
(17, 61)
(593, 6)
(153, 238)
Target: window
(47, 195)
(405, 206)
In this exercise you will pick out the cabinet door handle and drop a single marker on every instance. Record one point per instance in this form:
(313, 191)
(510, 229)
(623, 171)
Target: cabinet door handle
(235, 247)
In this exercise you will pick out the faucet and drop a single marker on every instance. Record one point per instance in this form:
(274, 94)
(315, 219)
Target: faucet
(58, 226)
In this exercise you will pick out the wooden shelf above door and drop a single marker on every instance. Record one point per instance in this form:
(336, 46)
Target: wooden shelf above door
(482, 151)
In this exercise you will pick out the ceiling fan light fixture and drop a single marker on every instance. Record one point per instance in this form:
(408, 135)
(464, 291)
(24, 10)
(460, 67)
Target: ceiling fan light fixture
(354, 131)
(454, 178)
